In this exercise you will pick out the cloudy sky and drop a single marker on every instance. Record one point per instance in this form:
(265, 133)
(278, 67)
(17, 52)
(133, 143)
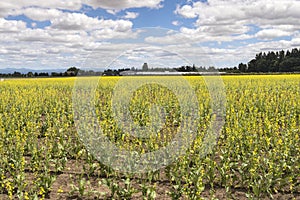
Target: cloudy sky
(121, 33)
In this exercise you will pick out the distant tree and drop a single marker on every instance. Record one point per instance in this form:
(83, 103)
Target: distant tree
(188, 68)
(280, 61)
(194, 69)
(43, 74)
(29, 74)
(145, 67)
(56, 74)
(252, 67)
(110, 72)
(72, 71)
(17, 74)
(202, 69)
(262, 65)
(289, 64)
(294, 53)
(181, 69)
(211, 69)
(242, 67)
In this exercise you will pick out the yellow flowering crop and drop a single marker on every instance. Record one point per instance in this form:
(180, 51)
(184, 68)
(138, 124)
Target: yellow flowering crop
(258, 149)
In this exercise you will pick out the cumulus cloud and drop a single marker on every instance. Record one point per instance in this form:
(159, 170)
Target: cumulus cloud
(186, 11)
(131, 15)
(39, 14)
(176, 23)
(231, 17)
(75, 21)
(267, 34)
(71, 36)
(68, 40)
(112, 12)
(123, 4)
(10, 26)
(11, 6)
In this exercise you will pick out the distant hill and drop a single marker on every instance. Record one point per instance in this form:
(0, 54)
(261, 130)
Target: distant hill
(26, 70)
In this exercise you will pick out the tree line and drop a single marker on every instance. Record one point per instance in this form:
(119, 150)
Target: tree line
(72, 71)
(279, 61)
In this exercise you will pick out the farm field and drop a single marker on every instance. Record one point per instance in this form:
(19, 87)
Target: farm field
(256, 156)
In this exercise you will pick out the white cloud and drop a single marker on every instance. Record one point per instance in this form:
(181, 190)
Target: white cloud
(231, 17)
(75, 21)
(112, 12)
(131, 15)
(8, 7)
(123, 4)
(71, 37)
(5, 8)
(176, 23)
(186, 11)
(271, 34)
(10, 26)
(68, 40)
(33, 35)
(39, 14)
(188, 35)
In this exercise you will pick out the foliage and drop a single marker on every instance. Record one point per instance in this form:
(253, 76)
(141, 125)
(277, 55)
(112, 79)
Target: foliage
(279, 61)
(258, 150)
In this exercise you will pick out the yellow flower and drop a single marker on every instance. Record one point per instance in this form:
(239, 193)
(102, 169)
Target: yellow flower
(42, 191)
(60, 190)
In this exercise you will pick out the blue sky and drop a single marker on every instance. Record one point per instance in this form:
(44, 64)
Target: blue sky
(100, 34)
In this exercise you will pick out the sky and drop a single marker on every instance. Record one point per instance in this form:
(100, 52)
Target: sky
(99, 34)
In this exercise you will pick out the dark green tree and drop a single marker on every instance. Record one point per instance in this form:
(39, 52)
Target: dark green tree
(72, 71)
(145, 67)
(242, 67)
